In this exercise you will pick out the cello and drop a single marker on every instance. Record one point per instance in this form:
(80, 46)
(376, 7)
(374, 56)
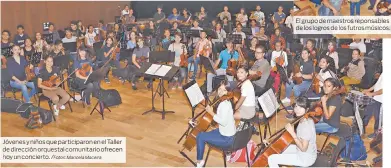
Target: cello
(281, 143)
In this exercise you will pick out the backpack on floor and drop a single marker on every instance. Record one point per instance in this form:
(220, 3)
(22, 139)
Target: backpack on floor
(240, 155)
(109, 97)
(46, 116)
(358, 151)
(34, 120)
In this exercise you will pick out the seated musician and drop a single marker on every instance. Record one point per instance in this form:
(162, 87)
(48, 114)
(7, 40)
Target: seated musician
(355, 70)
(254, 28)
(175, 28)
(225, 56)
(194, 40)
(331, 105)
(174, 16)
(278, 53)
(130, 19)
(260, 65)
(69, 38)
(185, 18)
(277, 37)
(251, 51)
(40, 45)
(52, 30)
(223, 136)
(5, 39)
(167, 39)
(359, 44)
(75, 31)
(289, 20)
(306, 70)
(108, 50)
(261, 35)
(125, 11)
(332, 52)
(52, 92)
(204, 46)
(278, 17)
(16, 70)
(159, 16)
(327, 70)
(227, 26)
(239, 31)
(61, 58)
(218, 44)
(20, 37)
(310, 45)
(242, 17)
(102, 30)
(139, 53)
(202, 16)
(245, 107)
(89, 39)
(225, 14)
(132, 43)
(117, 32)
(258, 15)
(28, 50)
(303, 153)
(178, 48)
(376, 92)
(81, 61)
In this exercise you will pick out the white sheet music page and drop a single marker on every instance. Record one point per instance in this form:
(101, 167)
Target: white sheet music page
(194, 94)
(152, 69)
(162, 71)
(268, 102)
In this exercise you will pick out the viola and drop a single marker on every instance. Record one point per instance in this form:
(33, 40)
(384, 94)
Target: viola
(232, 67)
(29, 73)
(53, 80)
(184, 61)
(279, 60)
(203, 124)
(85, 69)
(316, 114)
(3, 62)
(255, 76)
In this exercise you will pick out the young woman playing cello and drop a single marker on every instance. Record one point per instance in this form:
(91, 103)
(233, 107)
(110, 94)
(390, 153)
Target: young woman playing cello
(222, 136)
(303, 153)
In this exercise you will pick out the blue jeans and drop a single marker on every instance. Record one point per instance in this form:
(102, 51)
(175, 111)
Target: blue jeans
(355, 6)
(180, 76)
(195, 64)
(372, 109)
(321, 127)
(325, 11)
(24, 89)
(297, 89)
(213, 137)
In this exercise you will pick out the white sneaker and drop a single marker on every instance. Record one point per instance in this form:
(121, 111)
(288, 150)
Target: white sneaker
(62, 107)
(55, 110)
(228, 157)
(286, 101)
(201, 164)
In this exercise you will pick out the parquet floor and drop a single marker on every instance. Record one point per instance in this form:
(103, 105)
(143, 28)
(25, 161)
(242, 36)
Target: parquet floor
(151, 141)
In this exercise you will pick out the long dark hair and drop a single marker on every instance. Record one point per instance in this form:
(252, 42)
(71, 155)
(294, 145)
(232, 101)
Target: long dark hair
(330, 61)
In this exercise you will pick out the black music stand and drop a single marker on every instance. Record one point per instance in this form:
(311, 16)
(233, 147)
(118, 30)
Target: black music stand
(71, 47)
(211, 33)
(236, 38)
(247, 31)
(207, 64)
(169, 75)
(7, 51)
(97, 76)
(48, 38)
(283, 79)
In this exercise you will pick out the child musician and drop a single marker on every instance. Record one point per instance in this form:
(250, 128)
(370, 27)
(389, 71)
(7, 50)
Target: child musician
(108, 50)
(178, 48)
(354, 71)
(332, 52)
(223, 135)
(54, 92)
(246, 103)
(203, 48)
(88, 88)
(331, 104)
(138, 53)
(16, 69)
(303, 153)
(327, 70)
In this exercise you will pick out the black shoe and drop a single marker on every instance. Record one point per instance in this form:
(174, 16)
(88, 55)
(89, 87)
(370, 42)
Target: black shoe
(370, 7)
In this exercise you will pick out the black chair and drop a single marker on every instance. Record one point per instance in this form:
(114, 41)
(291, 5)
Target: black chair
(344, 56)
(323, 160)
(345, 132)
(241, 138)
(71, 82)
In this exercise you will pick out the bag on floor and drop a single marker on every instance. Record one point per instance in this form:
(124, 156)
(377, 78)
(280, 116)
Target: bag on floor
(121, 72)
(240, 155)
(24, 110)
(357, 151)
(109, 97)
(10, 105)
(34, 120)
(46, 116)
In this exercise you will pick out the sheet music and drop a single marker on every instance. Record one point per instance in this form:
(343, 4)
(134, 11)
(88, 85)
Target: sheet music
(194, 94)
(152, 69)
(268, 102)
(162, 71)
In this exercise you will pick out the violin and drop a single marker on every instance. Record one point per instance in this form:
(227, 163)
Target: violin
(203, 124)
(316, 114)
(53, 80)
(184, 62)
(29, 73)
(204, 50)
(85, 68)
(383, 6)
(142, 59)
(296, 69)
(316, 83)
(3, 62)
(279, 60)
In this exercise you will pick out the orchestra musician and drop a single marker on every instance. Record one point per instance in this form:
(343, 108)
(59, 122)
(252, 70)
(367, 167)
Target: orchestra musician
(304, 152)
(225, 14)
(202, 15)
(277, 37)
(20, 37)
(239, 31)
(174, 16)
(159, 16)
(223, 136)
(89, 39)
(102, 30)
(310, 45)
(355, 70)
(16, 70)
(40, 45)
(278, 17)
(28, 50)
(125, 11)
(218, 44)
(227, 26)
(203, 48)
(140, 52)
(185, 18)
(327, 70)
(83, 60)
(167, 39)
(332, 52)
(225, 56)
(331, 105)
(258, 15)
(129, 18)
(306, 70)
(132, 43)
(254, 28)
(260, 65)
(108, 52)
(52, 92)
(245, 107)
(376, 92)
(242, 17)
(178, 48)
(5, 39)
(279, 52)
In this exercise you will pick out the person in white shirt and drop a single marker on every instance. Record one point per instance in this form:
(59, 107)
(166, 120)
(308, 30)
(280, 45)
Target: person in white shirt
(332, 52)
(376, 92)
(289, 19)
(178, 48)
(242, 17)
(258, 15)
(304, 152)
(278, 53)
(125, 11)
(194, 40)
(327, 70)
(68, 37)
(223, 136)
(89, 39)
(359, 44)
(246, 103)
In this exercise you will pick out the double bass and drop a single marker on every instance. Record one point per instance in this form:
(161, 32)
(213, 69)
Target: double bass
(280, 143)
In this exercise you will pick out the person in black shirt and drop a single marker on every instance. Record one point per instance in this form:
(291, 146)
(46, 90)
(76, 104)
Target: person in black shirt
(331, 104)
(15, 67)
(52, 92)
(108, 50)
(60, 56)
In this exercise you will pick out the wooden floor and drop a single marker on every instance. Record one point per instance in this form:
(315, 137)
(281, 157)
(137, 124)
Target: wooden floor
(151, 141)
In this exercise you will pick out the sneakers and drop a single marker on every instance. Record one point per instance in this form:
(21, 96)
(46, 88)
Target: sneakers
(286, 101)
(200, 164)
(107, 80)
(62, 107)
(290, 116)
(134, 86)
(55, 110)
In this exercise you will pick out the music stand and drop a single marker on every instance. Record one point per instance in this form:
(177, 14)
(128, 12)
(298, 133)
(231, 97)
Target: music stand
(210, 33)
(97, 76)
(283, 79)
(207, 64)
(236, 38)
(161, 56)
(45, 26)
(48, 38)
(247, 31)
(71, 47)
(160, 89)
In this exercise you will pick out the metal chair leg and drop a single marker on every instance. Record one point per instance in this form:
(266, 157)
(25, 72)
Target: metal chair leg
(70, 107)
(51, 110)
(248, 158)
(225, 160)
(207, 156)
(324, 144)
